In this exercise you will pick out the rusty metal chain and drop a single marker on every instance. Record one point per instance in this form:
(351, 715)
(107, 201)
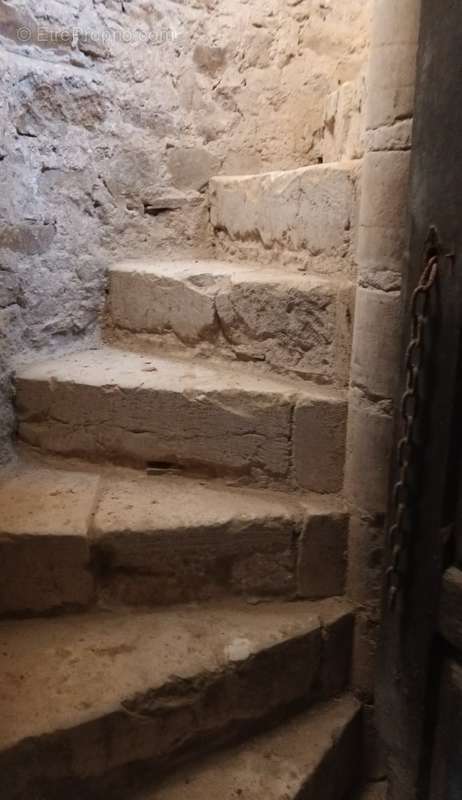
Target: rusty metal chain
(398, 531)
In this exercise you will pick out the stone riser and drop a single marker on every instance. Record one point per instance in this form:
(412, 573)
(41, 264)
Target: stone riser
(305, 216)
(202, 676)
(314, 756)
(120, 407)
(293, 323)
(73, 540)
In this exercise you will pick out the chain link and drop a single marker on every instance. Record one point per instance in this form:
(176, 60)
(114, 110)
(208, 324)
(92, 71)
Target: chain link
(398, 531)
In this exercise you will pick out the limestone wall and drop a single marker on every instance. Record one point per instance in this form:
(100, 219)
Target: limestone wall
(113, 115)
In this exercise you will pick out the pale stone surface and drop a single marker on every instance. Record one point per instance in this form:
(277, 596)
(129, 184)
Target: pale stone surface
(192, 167)
(319, 428)
(383, 241)
(119, 405)
(315, 754)
(392, 63)
(144, 297)
(158, 539)
(171, 539)
(138, 685)
(382, 256)
(112, 405)
(376, 346)
(309, 211)
(395, 22)
(98, 166)
(390, 137)
(391, 84)
(294, 322)
(369, 446)
(343, 129)
(385, 184)
(322, 556)
(44, 550)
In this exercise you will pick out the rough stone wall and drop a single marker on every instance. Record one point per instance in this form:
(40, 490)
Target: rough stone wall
(108, 138)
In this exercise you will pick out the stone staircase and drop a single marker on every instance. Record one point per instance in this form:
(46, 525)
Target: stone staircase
(173, 541)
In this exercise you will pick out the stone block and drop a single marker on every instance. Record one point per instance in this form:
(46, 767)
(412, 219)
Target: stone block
(396, 22)
(364, 657)
(375, 766)
(192, 167)
(295, 323)
(28, 238)
(384, 233)
(119, 406)
(342, 133)
(369, 448)
(10, 288)
(170, 540)
(134, 175)
(145, 300)
(390, 137)
(384, 190)
(319, 431)
(391, 87)
(48, 101)
(209, 59)
(337, 649)
(321, 562)
(376, 347)
(289, 322)
(311, 209)
(365, 561)
(44, 549)
(142, 686)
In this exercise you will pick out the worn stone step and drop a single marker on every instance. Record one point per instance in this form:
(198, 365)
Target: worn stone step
(314, 756)
(44, 545)
(86, 695)
(71, 538)
(294, 322)
(164, 540)
(306, 215)
(222, 418)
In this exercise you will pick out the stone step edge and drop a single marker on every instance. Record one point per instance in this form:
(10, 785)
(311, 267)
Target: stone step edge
(275, 551)
(147, 725)
(309, 751)
(221, 355)
(326, 166)
(259, 382)
(187, 266)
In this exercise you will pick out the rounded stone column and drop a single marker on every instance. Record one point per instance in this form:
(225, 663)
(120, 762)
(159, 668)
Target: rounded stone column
(382, 258)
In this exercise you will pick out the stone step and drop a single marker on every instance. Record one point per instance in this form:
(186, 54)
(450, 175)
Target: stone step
(72, 538)
(44, 545)
(86, 695)
(226, 419)
(314, 755)
(306, 216)
(294, 322)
